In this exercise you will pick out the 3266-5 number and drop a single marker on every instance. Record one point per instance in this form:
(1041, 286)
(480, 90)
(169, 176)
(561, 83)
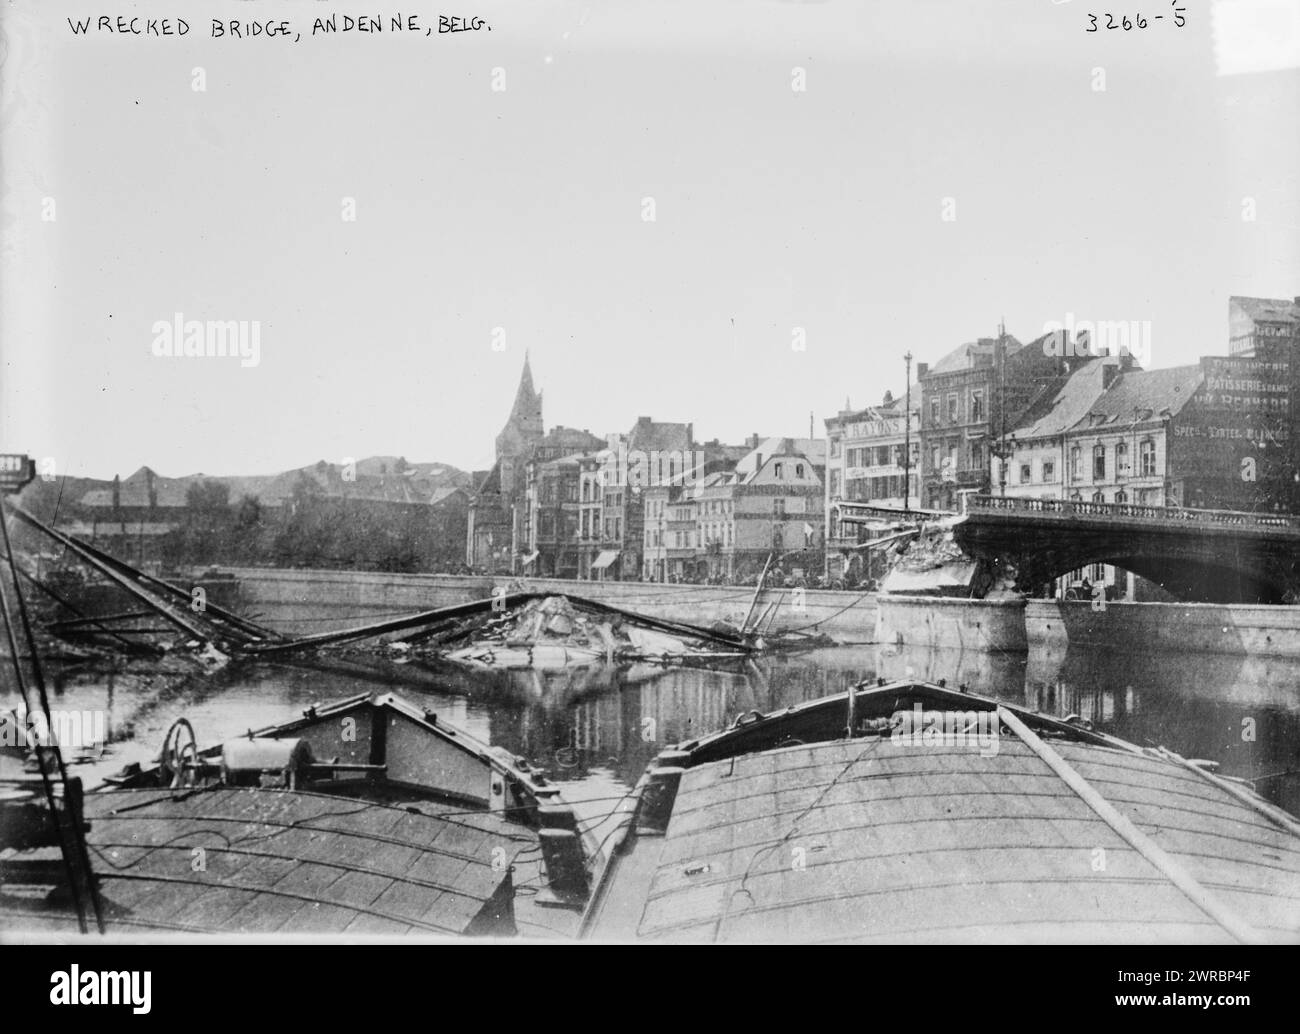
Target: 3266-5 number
(1137, 21)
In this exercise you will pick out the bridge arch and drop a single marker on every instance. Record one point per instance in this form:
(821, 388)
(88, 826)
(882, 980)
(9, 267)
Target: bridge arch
(1212, 556)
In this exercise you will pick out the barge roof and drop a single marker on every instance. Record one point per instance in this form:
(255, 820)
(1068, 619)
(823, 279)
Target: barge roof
(238, 860)
(858, 840)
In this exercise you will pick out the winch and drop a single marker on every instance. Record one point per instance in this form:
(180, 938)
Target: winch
(266, 762)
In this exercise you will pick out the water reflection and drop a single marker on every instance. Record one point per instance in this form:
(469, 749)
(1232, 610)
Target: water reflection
(596, 729)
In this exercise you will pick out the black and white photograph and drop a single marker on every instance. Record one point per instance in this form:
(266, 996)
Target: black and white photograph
(613, 472)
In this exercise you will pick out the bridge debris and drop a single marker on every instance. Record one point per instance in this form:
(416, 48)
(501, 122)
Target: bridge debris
(557, 631)
(207, 625)
(506, 630)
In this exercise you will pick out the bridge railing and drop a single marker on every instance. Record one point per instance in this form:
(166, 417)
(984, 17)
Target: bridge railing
(1131, 511)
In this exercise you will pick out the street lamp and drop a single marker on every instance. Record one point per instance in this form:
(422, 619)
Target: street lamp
(907, 436)
(1003, 449)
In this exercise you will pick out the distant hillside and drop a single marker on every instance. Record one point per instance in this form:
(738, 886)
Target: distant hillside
(375, 478)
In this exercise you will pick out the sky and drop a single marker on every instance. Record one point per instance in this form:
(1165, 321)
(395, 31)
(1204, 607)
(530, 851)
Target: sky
(832, 184)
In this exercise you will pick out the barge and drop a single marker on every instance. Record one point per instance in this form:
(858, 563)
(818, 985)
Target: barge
(911, 812)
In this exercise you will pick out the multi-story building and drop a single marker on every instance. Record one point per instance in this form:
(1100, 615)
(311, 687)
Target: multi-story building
(553, 515)
(969, 399)
(668, 496)
(1267, 331)
(591, 509)
(650, 454)
(770, 505)
(554, 528)
(865, 463)
(680, 536)
(1262, 325)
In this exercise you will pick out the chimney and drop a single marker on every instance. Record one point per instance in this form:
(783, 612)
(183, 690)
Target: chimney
(690, 435)
(921, 370)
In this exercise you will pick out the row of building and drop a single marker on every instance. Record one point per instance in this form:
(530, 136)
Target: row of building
(1059, 417)
(651, 504)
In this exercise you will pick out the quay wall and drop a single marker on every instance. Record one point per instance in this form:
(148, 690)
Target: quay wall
(302, 601)
(1236, 629)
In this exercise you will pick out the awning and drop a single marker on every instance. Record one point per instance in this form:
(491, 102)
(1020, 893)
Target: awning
(606, 558)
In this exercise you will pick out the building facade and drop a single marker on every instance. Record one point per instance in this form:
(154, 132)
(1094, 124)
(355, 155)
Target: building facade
(866, 463)
(970, 399)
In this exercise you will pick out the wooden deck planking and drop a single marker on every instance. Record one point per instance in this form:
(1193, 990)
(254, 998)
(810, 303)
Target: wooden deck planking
(1226, 818)
(901, 839)
(275, 860)
(814, 910)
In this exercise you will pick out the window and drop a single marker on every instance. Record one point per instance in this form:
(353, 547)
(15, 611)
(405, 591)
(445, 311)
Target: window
(798, 470)
(1121, 460)
(952, 409)
(1121, 496)
(835, 448)
(977, 455)
(1077, 497)
(1076, 463)
(1025, 473)
(776, 469)
(934, 412)
(778, 540)
(1147, 457)
(1099, 462)
(934, 459)
(1098, 497)
(1049, 471)
(778, 508)
(976, 406)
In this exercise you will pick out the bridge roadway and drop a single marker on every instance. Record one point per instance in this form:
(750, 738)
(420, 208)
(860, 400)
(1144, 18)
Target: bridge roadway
(1213, 556)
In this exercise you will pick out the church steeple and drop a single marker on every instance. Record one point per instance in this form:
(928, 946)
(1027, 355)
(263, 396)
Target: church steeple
(524, 428)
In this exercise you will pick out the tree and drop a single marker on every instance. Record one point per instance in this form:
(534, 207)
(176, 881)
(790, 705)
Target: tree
(208, 498)
(249, 512)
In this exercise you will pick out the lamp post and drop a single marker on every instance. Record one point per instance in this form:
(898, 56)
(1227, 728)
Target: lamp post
(1003, 448)
(907, 436)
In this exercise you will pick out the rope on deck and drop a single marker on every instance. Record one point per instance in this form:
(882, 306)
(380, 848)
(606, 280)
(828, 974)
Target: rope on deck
(1139, 841)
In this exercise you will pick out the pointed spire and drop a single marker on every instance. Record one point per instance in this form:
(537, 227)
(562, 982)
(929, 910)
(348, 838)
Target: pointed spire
(524, 426)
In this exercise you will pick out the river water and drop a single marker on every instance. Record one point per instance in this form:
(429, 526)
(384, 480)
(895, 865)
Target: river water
(595, 730)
